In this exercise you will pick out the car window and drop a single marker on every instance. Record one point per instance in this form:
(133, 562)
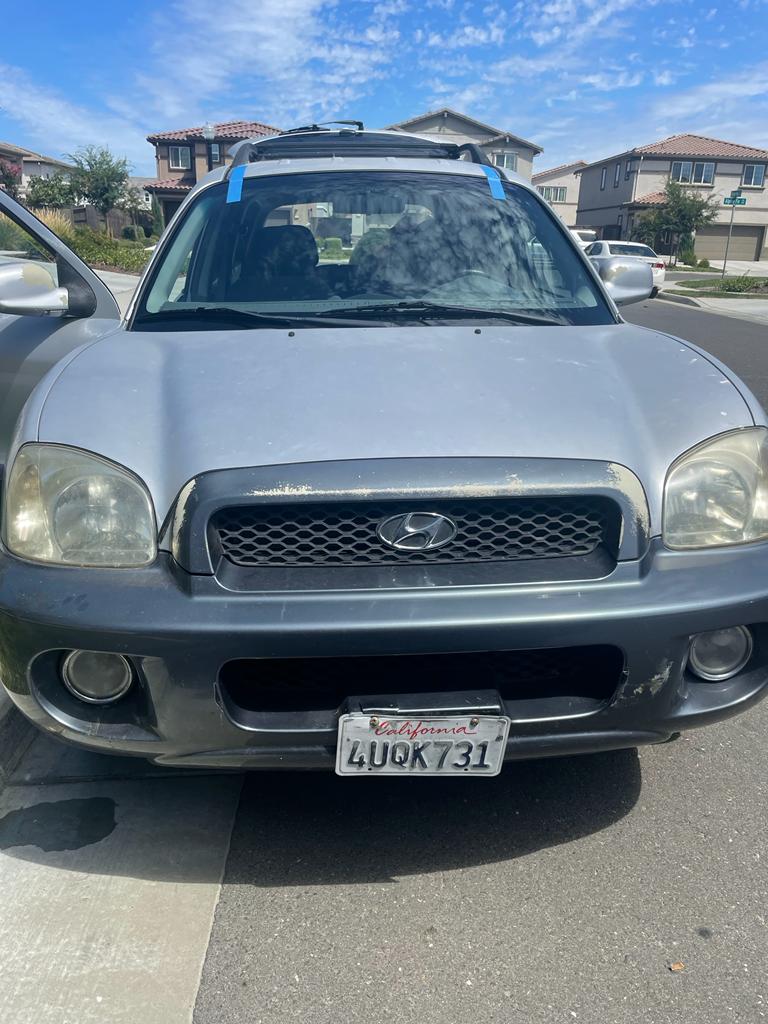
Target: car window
(18, 245)
(617, 249)
(333, 240)
(593, 249)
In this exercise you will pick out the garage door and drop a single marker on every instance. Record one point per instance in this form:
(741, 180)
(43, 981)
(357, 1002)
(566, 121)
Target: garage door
(745, 242)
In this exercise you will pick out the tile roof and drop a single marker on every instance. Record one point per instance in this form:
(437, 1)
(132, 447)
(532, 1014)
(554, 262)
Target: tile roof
(231, 130)
(496, 133)
(168, 185)
(30, 154)
(562, 167)
(650, 199)
(700, 145)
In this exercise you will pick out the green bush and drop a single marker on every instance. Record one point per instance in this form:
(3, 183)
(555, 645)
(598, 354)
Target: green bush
(739, 284)
(704, 264)
(12, 238)
(133, 233)
(688, 257)
(94, 247)
(332, 247)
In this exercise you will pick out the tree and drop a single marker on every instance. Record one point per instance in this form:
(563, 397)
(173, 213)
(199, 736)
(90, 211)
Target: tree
(53, 192)
(158, 224)
(684, 212)
(99, 178)
(10, 178)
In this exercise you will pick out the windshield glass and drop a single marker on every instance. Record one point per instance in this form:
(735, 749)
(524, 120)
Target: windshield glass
(618, 249)
(333, 242)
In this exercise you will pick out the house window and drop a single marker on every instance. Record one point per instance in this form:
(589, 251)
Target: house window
(603, 176)
(689, 173)
(553, 193)
(628, 170)
(620, 220)
(179, 158)
(215, 153)
(616, 174)
(506, 160)
(754, 174)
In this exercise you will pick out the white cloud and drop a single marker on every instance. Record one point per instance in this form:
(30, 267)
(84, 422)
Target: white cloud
(57, 126)
(606, 81)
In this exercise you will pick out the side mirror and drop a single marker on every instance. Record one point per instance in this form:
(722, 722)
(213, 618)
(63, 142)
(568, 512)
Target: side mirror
(626, 279)
(29, 289)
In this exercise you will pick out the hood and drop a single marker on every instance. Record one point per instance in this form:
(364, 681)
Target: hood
(172, 405)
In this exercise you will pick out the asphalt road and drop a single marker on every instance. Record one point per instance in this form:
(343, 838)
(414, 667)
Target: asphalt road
(562, 891)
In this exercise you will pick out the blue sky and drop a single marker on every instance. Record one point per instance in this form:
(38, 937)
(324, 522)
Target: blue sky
(583, 78)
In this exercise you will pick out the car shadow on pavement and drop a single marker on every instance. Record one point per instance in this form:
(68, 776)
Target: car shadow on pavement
(88, 813)
(322, 830)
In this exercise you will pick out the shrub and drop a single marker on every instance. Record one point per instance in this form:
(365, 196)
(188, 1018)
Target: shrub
(93, 247)
(688, 257)
(704, 264)
(743, 283)
(133, 233)
(58, 222)
(332, 247)
(12, 238)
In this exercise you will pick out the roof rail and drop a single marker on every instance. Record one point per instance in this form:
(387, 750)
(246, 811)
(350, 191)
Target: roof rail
(318, 140)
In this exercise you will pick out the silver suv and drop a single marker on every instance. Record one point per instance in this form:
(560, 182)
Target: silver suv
(372, 475)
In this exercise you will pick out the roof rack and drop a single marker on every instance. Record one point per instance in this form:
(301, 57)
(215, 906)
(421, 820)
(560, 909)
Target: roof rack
(318, 140)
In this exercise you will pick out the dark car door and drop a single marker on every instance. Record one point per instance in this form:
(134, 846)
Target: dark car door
(32, 257)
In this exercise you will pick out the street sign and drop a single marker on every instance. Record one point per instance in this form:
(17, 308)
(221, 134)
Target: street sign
(735, 201)
(735, 193)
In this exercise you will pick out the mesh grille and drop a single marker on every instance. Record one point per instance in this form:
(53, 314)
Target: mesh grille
(339, 533)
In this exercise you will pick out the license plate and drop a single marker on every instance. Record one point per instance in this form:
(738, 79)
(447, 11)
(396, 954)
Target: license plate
(457, 745)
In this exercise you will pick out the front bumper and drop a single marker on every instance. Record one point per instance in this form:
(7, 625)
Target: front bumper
(179, 629)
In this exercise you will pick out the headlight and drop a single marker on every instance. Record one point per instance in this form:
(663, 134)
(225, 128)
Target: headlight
(70, 508)
(717, 493)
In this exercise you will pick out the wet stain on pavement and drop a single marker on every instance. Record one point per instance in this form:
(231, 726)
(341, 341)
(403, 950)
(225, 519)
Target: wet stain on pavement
(59, 825)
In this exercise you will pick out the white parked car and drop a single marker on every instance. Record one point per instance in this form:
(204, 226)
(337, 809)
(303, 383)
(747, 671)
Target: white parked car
(637, 249)
(584, 236)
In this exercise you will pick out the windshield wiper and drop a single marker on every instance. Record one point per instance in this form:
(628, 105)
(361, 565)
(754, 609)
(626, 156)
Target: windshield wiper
(245, 317)
(434, 310)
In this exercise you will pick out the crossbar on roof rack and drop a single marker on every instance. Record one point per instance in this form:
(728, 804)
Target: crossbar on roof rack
(318, 140)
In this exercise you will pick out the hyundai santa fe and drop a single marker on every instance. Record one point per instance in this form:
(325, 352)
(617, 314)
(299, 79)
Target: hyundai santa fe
(372, 476)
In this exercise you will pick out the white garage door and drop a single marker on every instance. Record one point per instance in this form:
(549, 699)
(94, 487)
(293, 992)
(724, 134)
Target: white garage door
(746, 242)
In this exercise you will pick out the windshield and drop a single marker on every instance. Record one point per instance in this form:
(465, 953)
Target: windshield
(341, 243)
(632, 250)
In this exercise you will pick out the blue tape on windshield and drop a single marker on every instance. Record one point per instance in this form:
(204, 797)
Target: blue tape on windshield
(235, 189)
(494, 181)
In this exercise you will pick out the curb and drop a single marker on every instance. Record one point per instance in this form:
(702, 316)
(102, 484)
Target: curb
(16, 733)
(683, 300)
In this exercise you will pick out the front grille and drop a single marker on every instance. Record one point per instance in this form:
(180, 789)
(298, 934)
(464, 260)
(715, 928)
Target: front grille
(344, 533)
(316, 684)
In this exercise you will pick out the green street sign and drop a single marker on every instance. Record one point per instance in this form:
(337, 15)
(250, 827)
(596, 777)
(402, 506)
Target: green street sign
(735, 201)
(735, 193)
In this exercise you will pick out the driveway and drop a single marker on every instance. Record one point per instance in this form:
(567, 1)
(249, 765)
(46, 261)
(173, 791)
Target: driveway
(614, 888)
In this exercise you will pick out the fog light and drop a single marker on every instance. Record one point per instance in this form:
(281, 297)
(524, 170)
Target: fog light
(720, 654)
(96, 678)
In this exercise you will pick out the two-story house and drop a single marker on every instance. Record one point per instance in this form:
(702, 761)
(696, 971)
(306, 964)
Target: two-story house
(185, 155)
(560, 187)
(32, 164)
(616, 191)
(504, 148)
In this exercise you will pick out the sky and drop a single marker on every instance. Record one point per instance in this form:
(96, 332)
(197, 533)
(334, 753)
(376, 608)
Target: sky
(582, 78)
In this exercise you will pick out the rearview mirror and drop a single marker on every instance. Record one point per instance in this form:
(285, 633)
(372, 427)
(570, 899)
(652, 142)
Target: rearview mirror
(626, 279)
(29, 289)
